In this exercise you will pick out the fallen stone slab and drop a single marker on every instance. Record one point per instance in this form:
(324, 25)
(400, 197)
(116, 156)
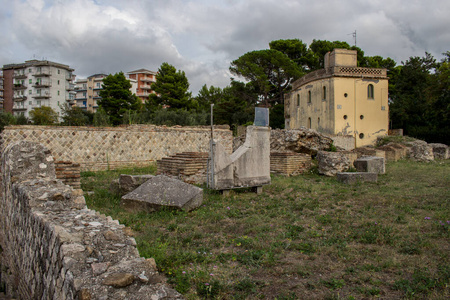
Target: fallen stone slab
(162, 191)
(370, 164)
(354, 177)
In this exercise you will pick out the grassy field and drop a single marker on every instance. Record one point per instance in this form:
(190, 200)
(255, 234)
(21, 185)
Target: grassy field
(304, 237)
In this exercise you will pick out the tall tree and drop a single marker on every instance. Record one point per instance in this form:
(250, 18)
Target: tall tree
(412, 97)
(295, 49)
(207, 96)
(117, 97)
(171, 90)
(268, 70)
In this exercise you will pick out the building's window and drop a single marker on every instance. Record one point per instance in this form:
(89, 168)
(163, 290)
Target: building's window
(58, 81)
(361, 117)
(345, 117)
(84, 103)
(98, 84)
(30, 81)
(58, 93)
(30, 103)
(298, 99)
(59, 71)
(309, 123)
(324, 94)
(84, 94)
(361, 135)
(29, 92)
(309, 96)
(58, 103)
(38, 102)
(90, 79)
(38, 91)
(370, 91)
(345, 95)
(29, 70)
(84, 86)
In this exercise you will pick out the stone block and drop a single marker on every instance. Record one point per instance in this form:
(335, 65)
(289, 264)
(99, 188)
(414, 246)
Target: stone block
(331, 163)
(370, 164)
(369, 151)
(354, 177)
(128, 183)
(391, 153)
(440, 151)
(421, 151)
(162, 191)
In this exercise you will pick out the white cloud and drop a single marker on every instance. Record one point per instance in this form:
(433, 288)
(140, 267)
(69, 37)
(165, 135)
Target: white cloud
(201, 37)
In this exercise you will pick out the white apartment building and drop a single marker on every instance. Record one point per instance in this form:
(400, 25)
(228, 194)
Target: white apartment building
(37, 83)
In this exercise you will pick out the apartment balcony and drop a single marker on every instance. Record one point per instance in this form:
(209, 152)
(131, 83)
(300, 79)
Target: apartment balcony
(143, 94)
(70, 87)
(19, 86)
(43, 73)
(19, 75)
(18, 108)
(80, 98)
(146, 87)
(42, 96)
(42, 84)
(19, 98)
(147, 79)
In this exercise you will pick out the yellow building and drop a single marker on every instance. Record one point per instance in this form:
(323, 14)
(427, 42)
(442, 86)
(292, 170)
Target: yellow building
(341, 99)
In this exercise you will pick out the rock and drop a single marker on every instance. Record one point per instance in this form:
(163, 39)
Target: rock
(119, 280)
(330, 163)
(421, 152)
(299, 140)
(354, 177)
(99, 268)
(111, 236)
(84, 294)
(162, 191)
(128, 183)
(440, 151)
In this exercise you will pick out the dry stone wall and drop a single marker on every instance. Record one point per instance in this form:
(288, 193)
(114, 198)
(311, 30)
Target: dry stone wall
(53, 247)
(97, 148)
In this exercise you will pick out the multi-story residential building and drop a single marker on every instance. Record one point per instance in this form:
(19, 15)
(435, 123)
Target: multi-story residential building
(144, 79)
(1, 90)
(341, 99)
(37, 83)
(88, 91)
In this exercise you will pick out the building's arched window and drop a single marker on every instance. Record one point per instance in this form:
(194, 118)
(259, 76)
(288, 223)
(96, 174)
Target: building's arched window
(370, 91)
(309, 96)
(309, 123)
(298, 99)
(318, 122)
(324, 95)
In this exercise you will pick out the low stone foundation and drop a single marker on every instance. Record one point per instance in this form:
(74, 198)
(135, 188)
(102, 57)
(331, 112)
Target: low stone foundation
(187, 166)
(289, 163)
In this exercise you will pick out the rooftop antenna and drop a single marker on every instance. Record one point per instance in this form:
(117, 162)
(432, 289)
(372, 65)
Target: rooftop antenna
(354, 36)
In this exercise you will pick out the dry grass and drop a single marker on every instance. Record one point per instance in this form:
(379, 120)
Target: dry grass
(304, 237)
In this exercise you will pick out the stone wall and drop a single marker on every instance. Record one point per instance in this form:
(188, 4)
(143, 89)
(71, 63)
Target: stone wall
(97, 148)
(53, 247)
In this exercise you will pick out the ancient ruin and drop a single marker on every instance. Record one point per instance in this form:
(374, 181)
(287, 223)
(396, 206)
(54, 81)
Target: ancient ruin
(53, 247)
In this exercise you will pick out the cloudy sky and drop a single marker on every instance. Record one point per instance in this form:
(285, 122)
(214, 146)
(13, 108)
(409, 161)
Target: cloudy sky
(202, 37)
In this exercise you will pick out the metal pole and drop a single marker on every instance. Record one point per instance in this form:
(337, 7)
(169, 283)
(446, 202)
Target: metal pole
(212, 146)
